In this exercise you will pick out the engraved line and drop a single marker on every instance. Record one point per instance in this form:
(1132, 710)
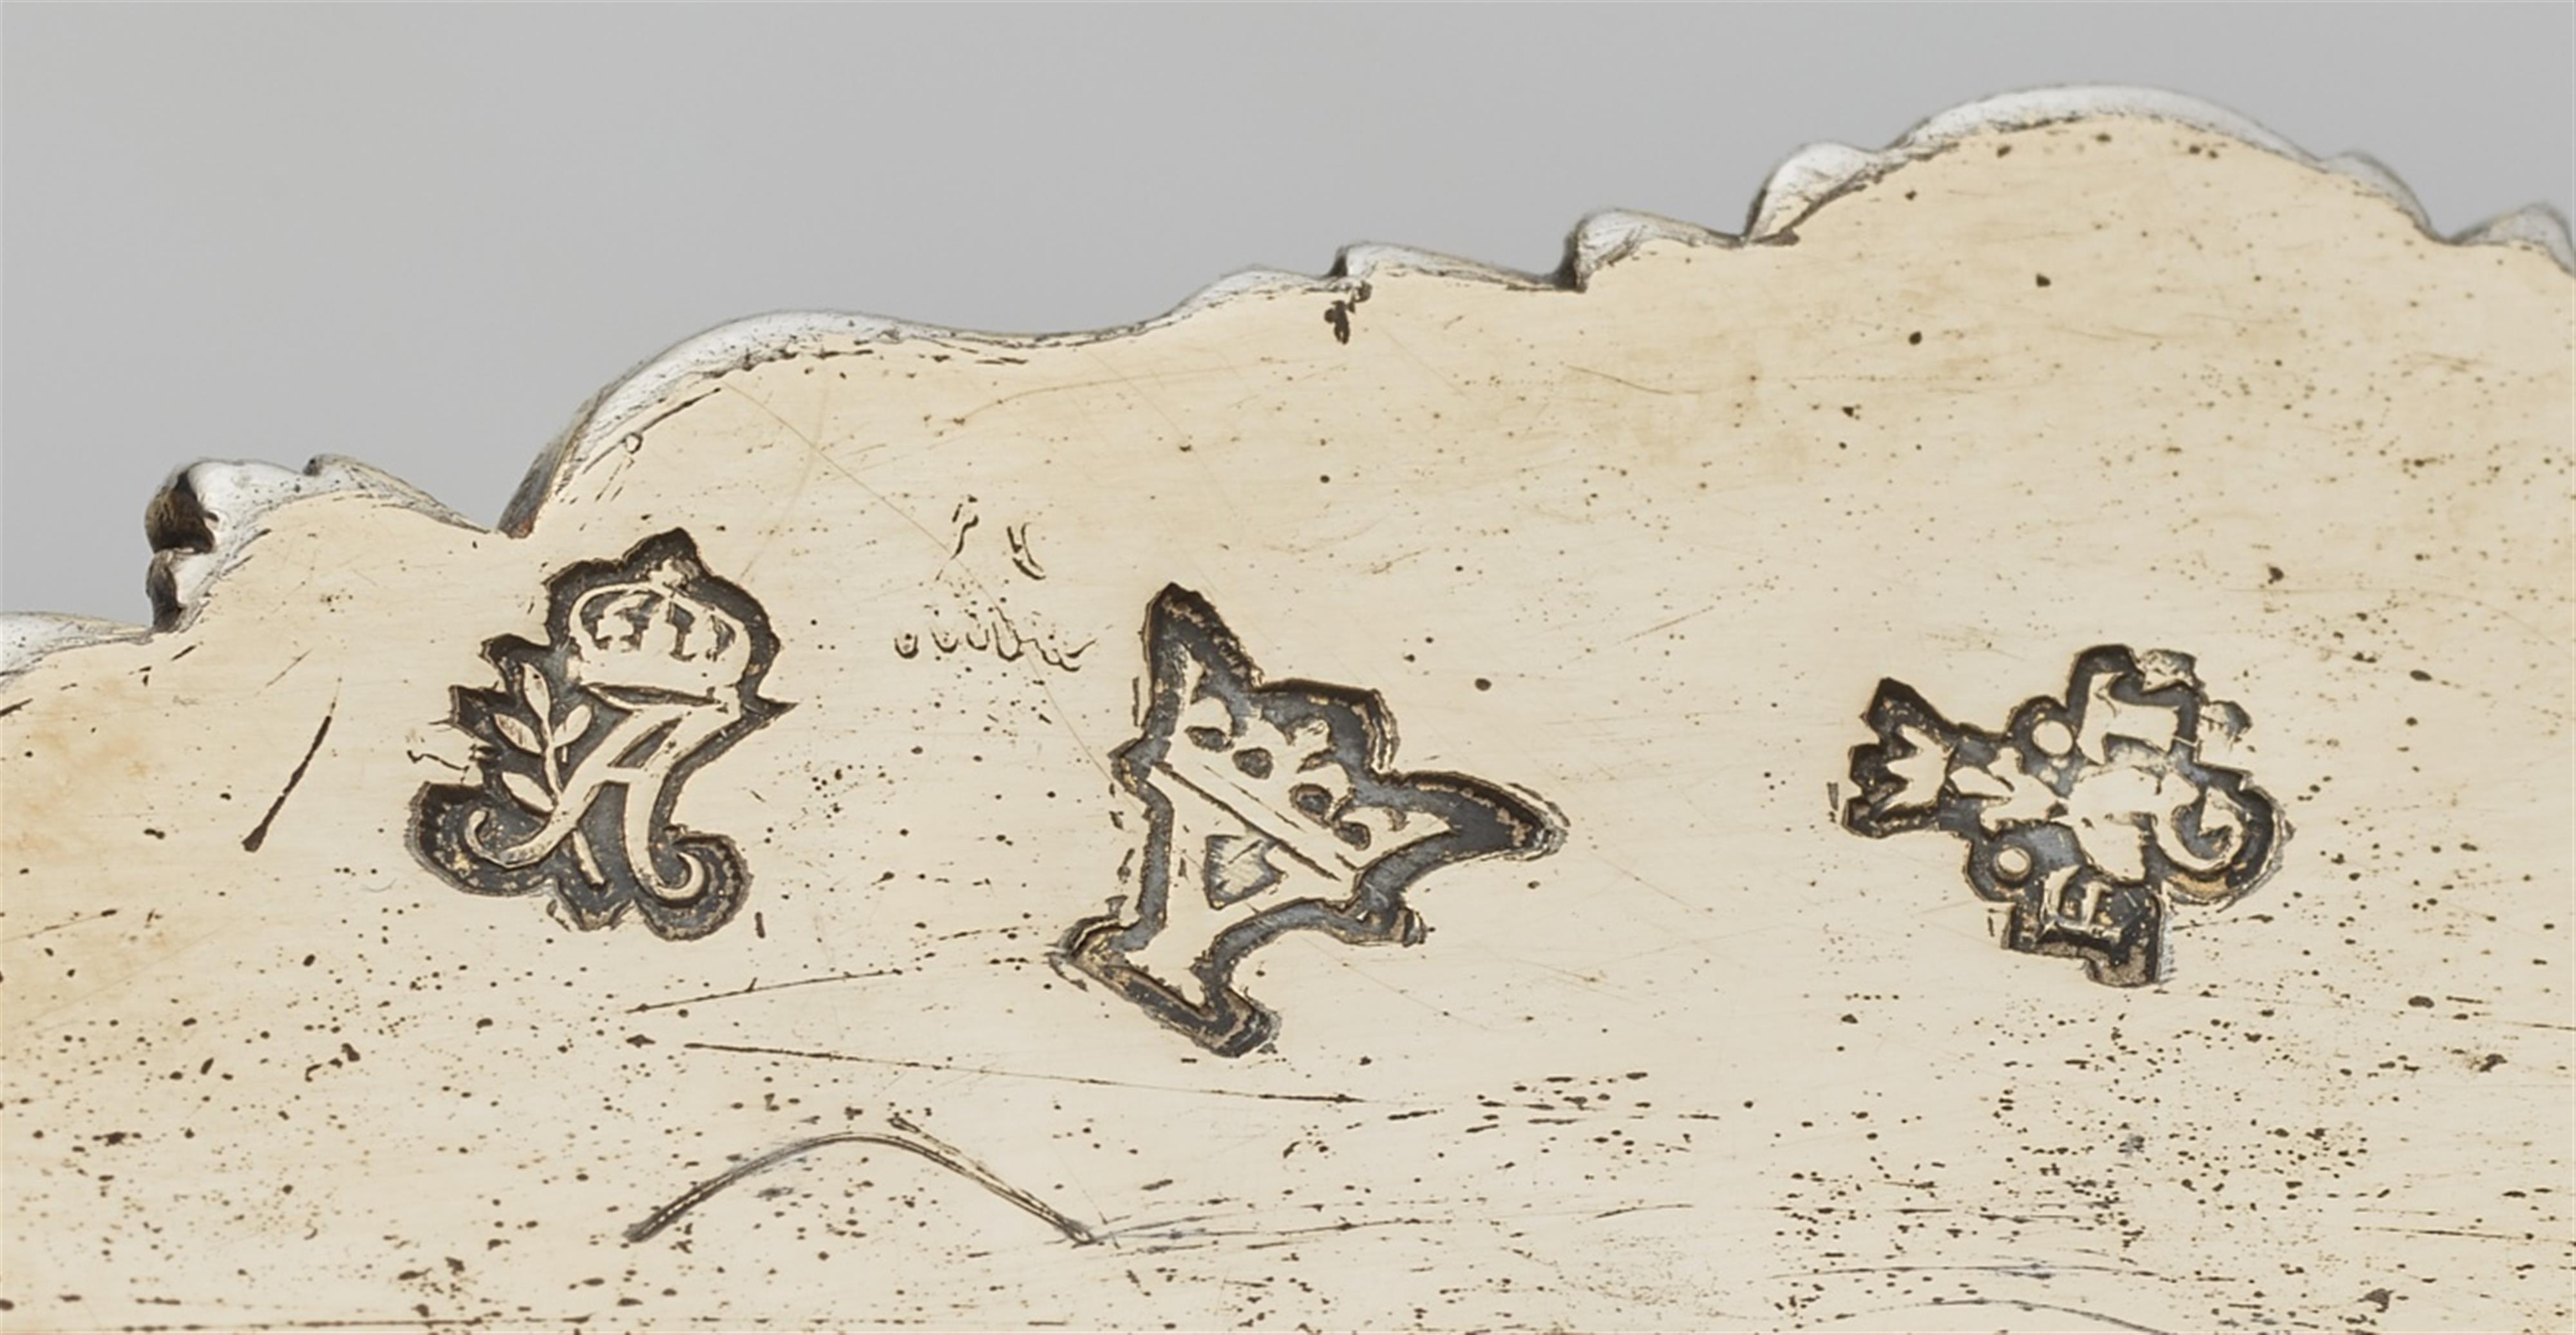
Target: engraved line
(909, 1064)
(1284, 845)
(1073, 1229)
(1641, 388)
(1668, 625)
(758, 987)
(2458, 1233)
(1640, 1209)
(2027, 1306)
(259, 834)
(73, 921)
(2018, 1269)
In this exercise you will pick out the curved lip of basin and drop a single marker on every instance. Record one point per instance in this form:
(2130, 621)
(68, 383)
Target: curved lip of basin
(208, 512)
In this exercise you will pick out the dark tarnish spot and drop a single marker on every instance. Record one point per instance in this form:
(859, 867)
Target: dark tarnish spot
(1338, 315)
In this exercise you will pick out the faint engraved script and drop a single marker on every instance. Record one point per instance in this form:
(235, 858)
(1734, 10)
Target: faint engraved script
(1272, 808)
(651, 668)
(2087, 815)
(968, 607)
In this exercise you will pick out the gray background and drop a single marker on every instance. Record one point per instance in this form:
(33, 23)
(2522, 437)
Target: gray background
(422, 236)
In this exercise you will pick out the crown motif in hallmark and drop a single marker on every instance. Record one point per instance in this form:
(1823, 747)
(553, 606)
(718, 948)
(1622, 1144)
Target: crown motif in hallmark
(652, 667)
(652, 634)
(2088, 815)
(1271, 808)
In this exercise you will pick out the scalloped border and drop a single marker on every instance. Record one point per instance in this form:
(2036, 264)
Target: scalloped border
(210, 511)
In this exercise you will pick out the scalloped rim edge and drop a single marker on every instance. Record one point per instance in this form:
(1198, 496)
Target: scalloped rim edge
(213, 509)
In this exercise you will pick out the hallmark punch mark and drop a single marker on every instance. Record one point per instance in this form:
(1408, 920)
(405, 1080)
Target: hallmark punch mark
(1271, 808)
(651, 668)
(2088, 815)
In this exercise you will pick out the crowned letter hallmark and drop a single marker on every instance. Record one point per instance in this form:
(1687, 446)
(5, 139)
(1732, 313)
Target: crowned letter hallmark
(2084, 814)
(1271, 809)
(652, 668)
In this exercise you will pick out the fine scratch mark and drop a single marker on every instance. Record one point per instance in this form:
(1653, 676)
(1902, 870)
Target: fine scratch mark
(259, 834)
(1175, 1230)
(1642, 389)
(73, 921)
(913, 1141)
(1668, 625)
(281, 672)
(1026, 1075)
(2024, 1304)
(633, 438)
(1639, 1209)
(2028, 1306)
(1063, 717)
(2450, 1233)
(760, 987)
(6, 711)
(2017, 1269)
(1113, 379)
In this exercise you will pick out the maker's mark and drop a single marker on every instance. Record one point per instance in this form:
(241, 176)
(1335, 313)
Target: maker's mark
(1271, 808)
(651, 668)
(2087, 815)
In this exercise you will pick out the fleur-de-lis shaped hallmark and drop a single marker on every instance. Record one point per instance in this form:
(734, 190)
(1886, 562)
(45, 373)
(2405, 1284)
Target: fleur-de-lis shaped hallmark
(651, 668)
(2087, 814)
(1271, 808)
